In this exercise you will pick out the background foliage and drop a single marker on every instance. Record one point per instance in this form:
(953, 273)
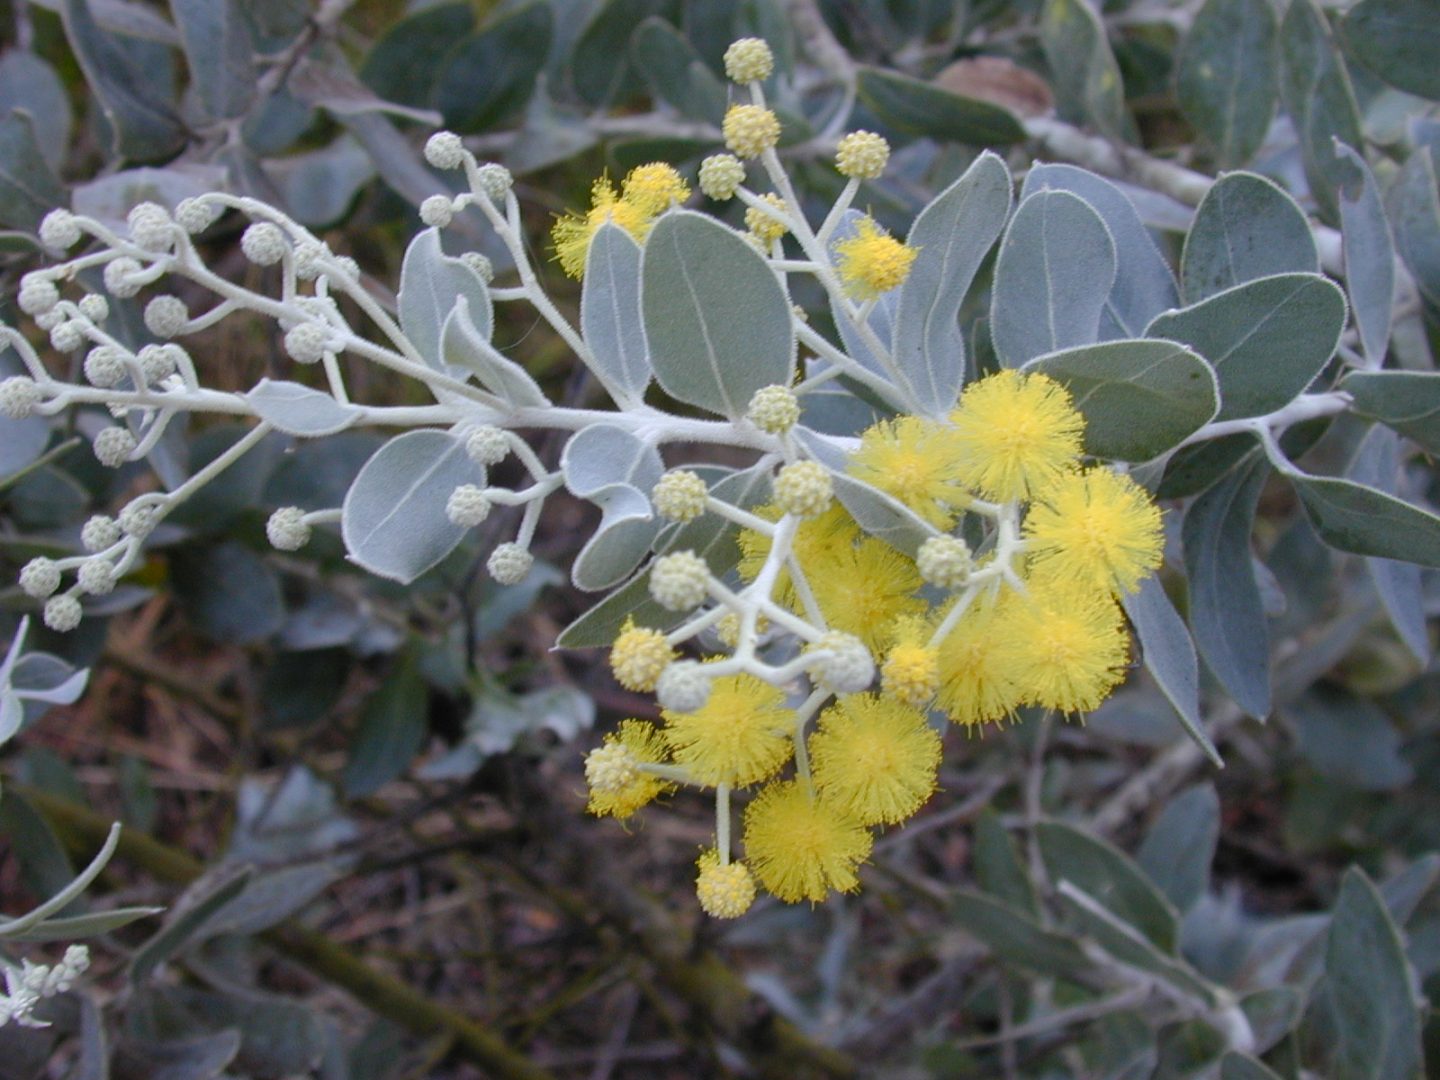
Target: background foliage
(360, 802)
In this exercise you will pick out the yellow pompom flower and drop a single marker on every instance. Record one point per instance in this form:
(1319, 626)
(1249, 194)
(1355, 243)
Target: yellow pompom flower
(977, 683)
(1018, 433)
(874, 758)
(741, 735)
(864, 589)
(572, 233)
(911, 672)
(914, 461)
(725, 890)
(1065, 645)
(872, 262)
(750, 130)
(619, 792)
(652, 189)
(802, 847)
(638, 656)
(1097, 527)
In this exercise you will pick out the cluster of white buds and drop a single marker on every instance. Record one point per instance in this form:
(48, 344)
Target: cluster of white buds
(30, 983)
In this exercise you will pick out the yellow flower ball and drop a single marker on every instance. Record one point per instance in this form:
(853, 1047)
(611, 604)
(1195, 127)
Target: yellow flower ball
(1095, 526)
(872, 262)
(619, 786)
(914, 461)
(1065, 645)
(977, 681)
(1018, 434)
(725, 890)
(750, 130)
(638, 656)
(741, 735)
(801, 847)
(874, 758)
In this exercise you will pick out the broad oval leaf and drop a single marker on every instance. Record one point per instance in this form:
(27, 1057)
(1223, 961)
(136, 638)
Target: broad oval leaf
(1086, 77)
(1369, 255)
(954, 234)
(675, 72)
(1414, 206)
(463, 346)
(600, 61)
(1266, 339)
(219, 53)
(1225, 76)
(610, 310)
(1226, 613)
(1398, 40)
(1348, 740)
(1359, 519)
(1407, 401)
(1052, 278)
(28, 188)
(1178, 848)
(1016, 937)
(393, 519)
(1169, 657)
(391, 732)
(1246, 227)
(922, 109)
(430, 284)
(697, 277)
(1111, 877)
(1139, 398)
(298, 410)
(613, 469)
(401, 66)
(489, 76)
(1144, 285)
(29, 84)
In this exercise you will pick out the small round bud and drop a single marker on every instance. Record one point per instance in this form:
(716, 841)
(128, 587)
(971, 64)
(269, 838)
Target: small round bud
(611, 768)
(850, 668)
(862, 155)
(104, 366)
(444, 150)
(683, 687)
(59, 230)
(724, 891)
(151, 227)
(944, 561)
(680, 495)
(94, 307)
(166, 316)
(679, 581)
(765, 227)
(487, 445)
(48, 320)
(467, 506)
(39, 578)
(307, 257)
(113, 446)
(750, 130)
(509, 564)
(721, 175)
(38, 294)
(99, 533)
(97, 577)
(121, 277)
(137, 520)
(437, 211)
(804, 489)
(638, 657)
(63, 613)
(263, 244)
(157, 362)
(196, 215)
(307, 342)
(67, 336)
(774, 409)
(480, 264)
(286, 529)
(911, 675)
(19, 395)
(493, 181)
(749, 60)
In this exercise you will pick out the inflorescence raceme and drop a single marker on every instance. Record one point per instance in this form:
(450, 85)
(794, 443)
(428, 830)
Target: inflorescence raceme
(815, 668)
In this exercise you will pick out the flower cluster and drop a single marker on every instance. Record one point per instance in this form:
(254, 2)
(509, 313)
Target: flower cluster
(645, 192)
(30, 983)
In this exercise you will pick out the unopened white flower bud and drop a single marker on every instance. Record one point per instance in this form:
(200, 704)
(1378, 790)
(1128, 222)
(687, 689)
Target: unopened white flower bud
(63, 613)
(99, 533)
(862, 155)
(494, 181)
(307, 342)
(19, 395)
(850, 668)
(721, 175)
(48, 320)
(680, 495)
(749, 60)
(39, 578)
(196, 215)
(487, 445)
(67, 336)
(263, 244)
(286, 529)
(683, 687)
(166, 316)
(509, 564)
(944, 561)
(94, 307)
(444, 150)
(121, 277)
(481, 264)
(437, 211)
(96, 576)
(157, 362)
(307, 256)
(113, 446)
(104, 366)
(37, 295)
(611, 768)
(137, 520)
(774, 409)
(679, 581)
(59, 230)
(151, 227)
(803, 488)
(467, 506)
